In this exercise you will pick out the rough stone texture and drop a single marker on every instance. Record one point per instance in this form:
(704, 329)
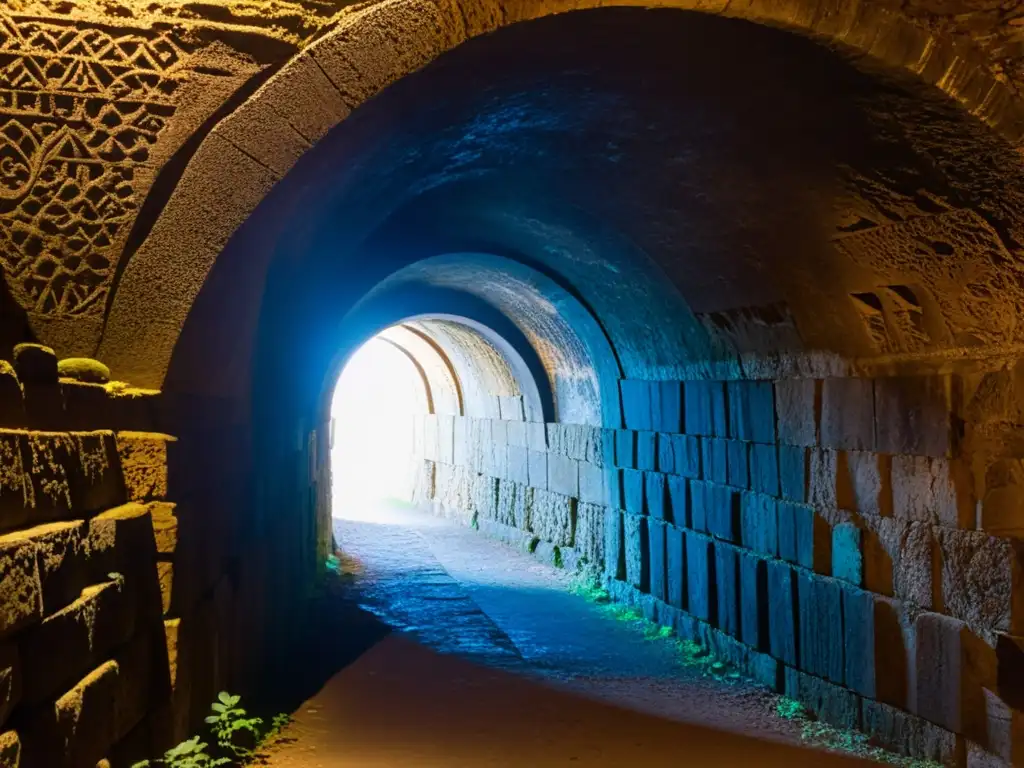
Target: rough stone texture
(798, 403)
(590, 533)
(11, 682)
(821, 627)
(906, 734)
(759, 523)
(982, 580)
(97, 480)
(864, 482)
(847, 554)
(21, 601)
(848, 414)
(913, 415)
(831, 703)
(552, 517)
(635, 533)
(932, 490)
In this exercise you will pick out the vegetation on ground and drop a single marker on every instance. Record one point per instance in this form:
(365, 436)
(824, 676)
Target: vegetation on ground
(235, 739)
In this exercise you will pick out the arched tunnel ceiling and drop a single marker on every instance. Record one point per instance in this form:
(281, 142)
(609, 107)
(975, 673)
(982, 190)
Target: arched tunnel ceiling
(702, 184)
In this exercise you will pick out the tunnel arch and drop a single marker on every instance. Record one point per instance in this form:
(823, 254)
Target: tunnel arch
(337, 73)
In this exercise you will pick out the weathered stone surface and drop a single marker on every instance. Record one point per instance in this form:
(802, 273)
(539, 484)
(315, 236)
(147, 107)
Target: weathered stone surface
(536, 436)
(675, 567)
(824, 467)
(737, 464)
(759, 523)
(62, 553)
(754, 602)
(590, 533)
(914, 555)
(10, 750)
(50, 462)
(751, 411)
(74, 640)
(764, 469)
(798, 402)
(538, 469)
(12, 404)
(552, 517)
(704, 407)
(833, 704)
(637, 547)
(633, 491)
(614, 544)
(563, 475)
(143, 458)
(518, 465)
(982, 579)
(714, 460)
(783, 610)
(794, 473)
(121, 540)
(932, 490)
(594, 483)
(97, 482)
(821, 627)
(939, 673)
(864, 482)
(847, 554)
(914, 415)
(656, 500)
(657, 559)
(906, 734)
(848, 414)
(15, 485)
(21, 601)
(701, 584)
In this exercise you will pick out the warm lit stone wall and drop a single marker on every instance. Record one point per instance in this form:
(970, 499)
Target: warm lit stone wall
(115, 611)
(848, 541)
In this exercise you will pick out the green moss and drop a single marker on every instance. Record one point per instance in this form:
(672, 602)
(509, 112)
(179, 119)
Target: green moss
(475, 522)
(84, 369)
(533, 544)
(559, 563)
(790, 709)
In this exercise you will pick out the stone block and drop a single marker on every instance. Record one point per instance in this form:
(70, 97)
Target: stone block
(66, 645)
(727, 579)
(62, 555)
(11, 682)
(121, 541)
(21, 601)
(637, 546)
(97, 482)
(593, 485)
(859, 628)
(824, 468)
(702, 596)
(821, 627)
(723, 512)
(636, 403)
(646, 450)
(798, 404)
(675, 567)
(737, 464)
(678, 500)
(35, 364)
(614, 549)
(604, 449)
(751, 411)
(759, 523)
(538, 469)
(764, 469)
(87, 406)
(462, 442)
(864, 482)
(830, 703)
(446, 439)
(625, 448)
(914, 415)
(905, 734)
(654, 492)
(519, 465)
(700, 499)
(704, 408)
(536, 436)
(511, 408)
(15, 484)
(165, 526)
(666, 453)
(12, 403)
(847, 554)
(714, 460)
(670, 399)
(794, 473)
(848, 414)
(687, 452)
(590, 535)
(657, 558)
(783, 610)
(633, 491)
(563, 475)
(939, 673)
(516, 434)
(754, 602)
(143, 677)
(982, 579)
(50, 461)
(932, 490)
(914, 563)
(551, 516)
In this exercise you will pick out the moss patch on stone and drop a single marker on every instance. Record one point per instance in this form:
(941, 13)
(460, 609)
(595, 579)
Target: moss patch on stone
(83, 369)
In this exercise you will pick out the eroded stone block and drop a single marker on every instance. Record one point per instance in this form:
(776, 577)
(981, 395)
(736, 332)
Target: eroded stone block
(552, 517)
(97, 482)
(614, 548)
(798, 404)
(913, 415)
(656, 542)
(847, 554)
(675, 567)
(590, 534)
(864, 482)
(932, 490)
(21, 602)
(848, 414)
(982, 580)
(637, 547)
(832, 704)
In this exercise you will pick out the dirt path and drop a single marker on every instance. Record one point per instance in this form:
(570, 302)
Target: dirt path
(494, 663)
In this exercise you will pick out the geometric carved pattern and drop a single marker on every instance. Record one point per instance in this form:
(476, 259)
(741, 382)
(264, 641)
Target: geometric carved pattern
(80, 108)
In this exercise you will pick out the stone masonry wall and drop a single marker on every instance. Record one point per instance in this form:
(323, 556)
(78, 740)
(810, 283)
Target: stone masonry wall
(849, 542)
(96, 618)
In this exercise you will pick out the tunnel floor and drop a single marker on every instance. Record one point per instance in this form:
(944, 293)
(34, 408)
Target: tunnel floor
(492, 661)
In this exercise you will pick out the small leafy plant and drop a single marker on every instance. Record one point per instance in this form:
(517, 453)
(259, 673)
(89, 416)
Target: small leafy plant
(237, 738)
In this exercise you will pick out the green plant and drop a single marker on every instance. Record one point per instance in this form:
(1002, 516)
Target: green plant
(559, 562)
(237, 735)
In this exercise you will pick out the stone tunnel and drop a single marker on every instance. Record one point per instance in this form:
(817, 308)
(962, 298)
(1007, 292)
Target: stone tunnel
(717, 301)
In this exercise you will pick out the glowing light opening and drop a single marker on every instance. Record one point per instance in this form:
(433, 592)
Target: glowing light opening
(376, 397)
